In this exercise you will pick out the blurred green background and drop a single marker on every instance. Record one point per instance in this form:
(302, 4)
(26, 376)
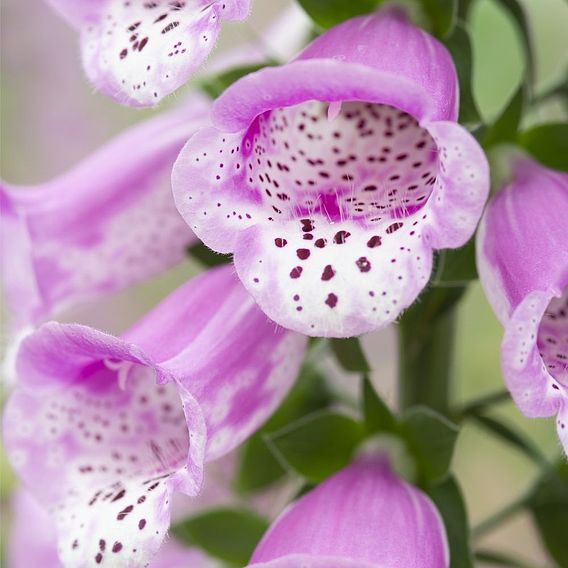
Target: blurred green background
(51, 118)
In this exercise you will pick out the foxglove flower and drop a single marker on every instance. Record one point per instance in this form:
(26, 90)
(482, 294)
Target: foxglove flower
(362, 517)
(522, 258)
(108, 223)
(138, 52)
(333, 178)
(103, 429)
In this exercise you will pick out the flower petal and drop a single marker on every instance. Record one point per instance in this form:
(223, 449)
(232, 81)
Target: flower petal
(302, 180)
(139, 52)
(91, 416)
(380, 57)
(360, 280)
(521, 243)
(461, 188)
(536, 392)
(342, 517)
(104, 225)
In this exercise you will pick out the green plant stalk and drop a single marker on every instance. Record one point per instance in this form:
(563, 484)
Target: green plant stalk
(426, 349)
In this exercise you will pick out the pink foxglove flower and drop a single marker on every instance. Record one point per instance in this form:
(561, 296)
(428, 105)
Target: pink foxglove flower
(106, 224)
(332, 179)
(138, 52)
(103, 429)
(362, 517)
(522, 258)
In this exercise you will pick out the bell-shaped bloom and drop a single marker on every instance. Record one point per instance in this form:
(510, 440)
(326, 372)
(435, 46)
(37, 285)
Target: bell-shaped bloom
(138, 52)
(334, 177)
(104, 429)
(108, 223)
(522, 259)
(362, 517)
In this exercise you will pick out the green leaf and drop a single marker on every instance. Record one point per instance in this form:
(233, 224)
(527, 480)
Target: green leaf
(216, 84)
(549, 507)
(447, 497)
(442, 15)
(431, 439)
(328, 13)
(206, 256)
(318, 445)
(516, 10)
(228, 534)
(350, 355)
(459, 46)
(456, 267)
(512, 437)
(548, 143)
(258, 467)
(506, 126)
(378, 417)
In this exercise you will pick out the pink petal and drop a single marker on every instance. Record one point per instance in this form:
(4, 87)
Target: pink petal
(333, 222)
(363, 515)
(139, 52)
(104, 225)
(120, 424)
(521, 244)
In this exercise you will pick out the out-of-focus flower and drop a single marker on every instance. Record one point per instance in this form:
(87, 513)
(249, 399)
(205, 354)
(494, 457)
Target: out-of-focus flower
(103, 429)
(522, 258)
(139, 52)
(333, 178)
(364, 517)
(106, 224)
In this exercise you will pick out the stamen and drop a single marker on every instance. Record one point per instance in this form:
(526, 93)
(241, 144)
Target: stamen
(122, 368)
(333, 110)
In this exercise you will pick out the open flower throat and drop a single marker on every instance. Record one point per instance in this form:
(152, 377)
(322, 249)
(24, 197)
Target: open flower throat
(553, 338)
(361, 161)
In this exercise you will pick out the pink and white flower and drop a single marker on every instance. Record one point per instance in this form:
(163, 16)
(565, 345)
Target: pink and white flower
(333, 178)
(106, 224)
(103, 430)
(362, 517)
(522, 259)
(138, 52)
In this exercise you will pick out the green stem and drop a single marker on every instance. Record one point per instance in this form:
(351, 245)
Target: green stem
(499, 518)
(426, 348)
(482, 403)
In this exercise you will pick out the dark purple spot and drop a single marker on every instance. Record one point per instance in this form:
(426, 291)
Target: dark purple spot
(124, 513)
(303, 254)
(331, 300)
(363, 264)
(296, 272)
(279, 242)
(141, 523)
(307, 225)
(117, 547)
(374, 241)
(320, 243)
(394, 227)
(340, 237)
(99, 558)
(328, 273)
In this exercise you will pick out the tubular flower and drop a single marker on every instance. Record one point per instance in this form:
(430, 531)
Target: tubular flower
(108, 223)
(138, 52)
(333, 178)
(522, 260)
(103, 429)
(364, 517)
